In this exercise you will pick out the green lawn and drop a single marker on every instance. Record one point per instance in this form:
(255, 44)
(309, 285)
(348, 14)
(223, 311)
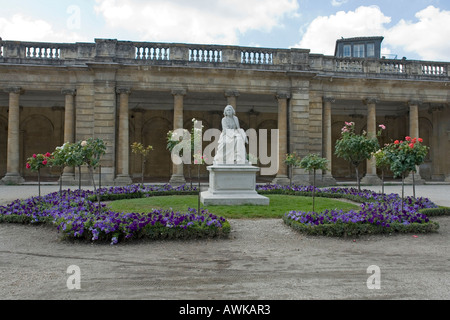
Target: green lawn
(279, 204)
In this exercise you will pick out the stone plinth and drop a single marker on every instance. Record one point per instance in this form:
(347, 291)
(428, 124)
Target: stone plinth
(233, 184)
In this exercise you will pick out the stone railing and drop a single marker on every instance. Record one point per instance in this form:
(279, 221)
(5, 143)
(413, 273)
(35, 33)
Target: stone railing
(378, 67)
(129, 52)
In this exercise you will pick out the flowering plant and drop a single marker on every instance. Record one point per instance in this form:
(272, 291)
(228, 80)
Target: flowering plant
(356, 148)
(405, 155)
(38, 161)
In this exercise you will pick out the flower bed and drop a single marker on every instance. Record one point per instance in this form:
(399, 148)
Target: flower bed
(380, 213)
(77, 216)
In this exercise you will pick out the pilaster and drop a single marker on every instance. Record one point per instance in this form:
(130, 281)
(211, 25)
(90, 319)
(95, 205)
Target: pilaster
(12, 175)
(371, 177)
(123, 148)
(282, 174)
(177, 177)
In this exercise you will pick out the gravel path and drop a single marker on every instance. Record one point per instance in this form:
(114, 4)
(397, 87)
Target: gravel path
(262, 259)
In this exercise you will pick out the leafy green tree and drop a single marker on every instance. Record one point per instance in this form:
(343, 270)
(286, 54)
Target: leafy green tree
(292, 160)
(404, 156)
(36, 162)
(138, 148)
(91, 151)
(356, 148)
(313, 162)
(187, 141)
(383, 163)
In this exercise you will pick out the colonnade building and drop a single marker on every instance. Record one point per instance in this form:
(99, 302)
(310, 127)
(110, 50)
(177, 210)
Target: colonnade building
(125, 92)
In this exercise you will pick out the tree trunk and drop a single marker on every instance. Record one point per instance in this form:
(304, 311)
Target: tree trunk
(403, 190)
(39, 182)
(314, 187)
(198, 176)
(91, 172)
(357, 178)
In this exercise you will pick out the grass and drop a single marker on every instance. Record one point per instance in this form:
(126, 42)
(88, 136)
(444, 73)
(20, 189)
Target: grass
(279, 205)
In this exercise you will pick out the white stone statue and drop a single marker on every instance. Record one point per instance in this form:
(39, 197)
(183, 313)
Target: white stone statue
(231, 145)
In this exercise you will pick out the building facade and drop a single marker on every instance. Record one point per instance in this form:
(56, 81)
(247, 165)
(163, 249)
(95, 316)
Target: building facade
(125, 92)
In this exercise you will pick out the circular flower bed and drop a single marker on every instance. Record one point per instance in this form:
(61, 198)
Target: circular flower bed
(77, 215)
(379, 213)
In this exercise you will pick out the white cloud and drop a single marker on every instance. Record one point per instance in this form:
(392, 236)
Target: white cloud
(322, 33)
(195, 21)
(20, 27)
(428, 37)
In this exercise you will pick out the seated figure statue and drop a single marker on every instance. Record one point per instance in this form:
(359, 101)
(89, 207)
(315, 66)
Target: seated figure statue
(231, 145)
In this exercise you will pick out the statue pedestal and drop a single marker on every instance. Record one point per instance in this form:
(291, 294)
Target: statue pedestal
(232, 184)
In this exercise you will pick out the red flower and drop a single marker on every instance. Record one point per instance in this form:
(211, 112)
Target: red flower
(48, 154)
(407, 138)
(411, 145)
(396, 142)
(34, 155)
(44, 162)
(28, 166)
(420, 140)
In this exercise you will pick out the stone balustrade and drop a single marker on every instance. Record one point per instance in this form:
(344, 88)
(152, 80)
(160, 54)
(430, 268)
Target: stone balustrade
(114, 51)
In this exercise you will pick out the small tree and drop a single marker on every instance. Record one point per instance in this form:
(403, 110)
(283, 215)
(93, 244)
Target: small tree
(138, 148)
(292, 160)
(404, 156)
(36, 162)
(356, 148)
(383, 163)
(188, 142)
(91, 152)
(313, 162)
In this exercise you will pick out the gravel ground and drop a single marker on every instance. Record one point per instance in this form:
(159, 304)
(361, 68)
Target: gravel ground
(262, 259)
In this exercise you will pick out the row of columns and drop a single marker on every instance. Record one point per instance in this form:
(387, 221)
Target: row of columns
(177, 177)
(13, 155)
(12, 175)
(371, 175)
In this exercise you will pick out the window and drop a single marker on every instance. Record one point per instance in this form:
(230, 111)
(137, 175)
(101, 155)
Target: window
(347, 50)
(371, 50)
(358, 51)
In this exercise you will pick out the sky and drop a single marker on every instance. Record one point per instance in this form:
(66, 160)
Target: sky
(415, 29)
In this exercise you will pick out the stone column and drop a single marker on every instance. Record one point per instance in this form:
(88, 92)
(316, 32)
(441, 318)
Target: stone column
(371, 171)
(327, 142)
(123, 148)
(68, 175)
(414, 133)
(178, 97)
(232, 97)
(282, 174)
(436, 173)
(13, 151)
